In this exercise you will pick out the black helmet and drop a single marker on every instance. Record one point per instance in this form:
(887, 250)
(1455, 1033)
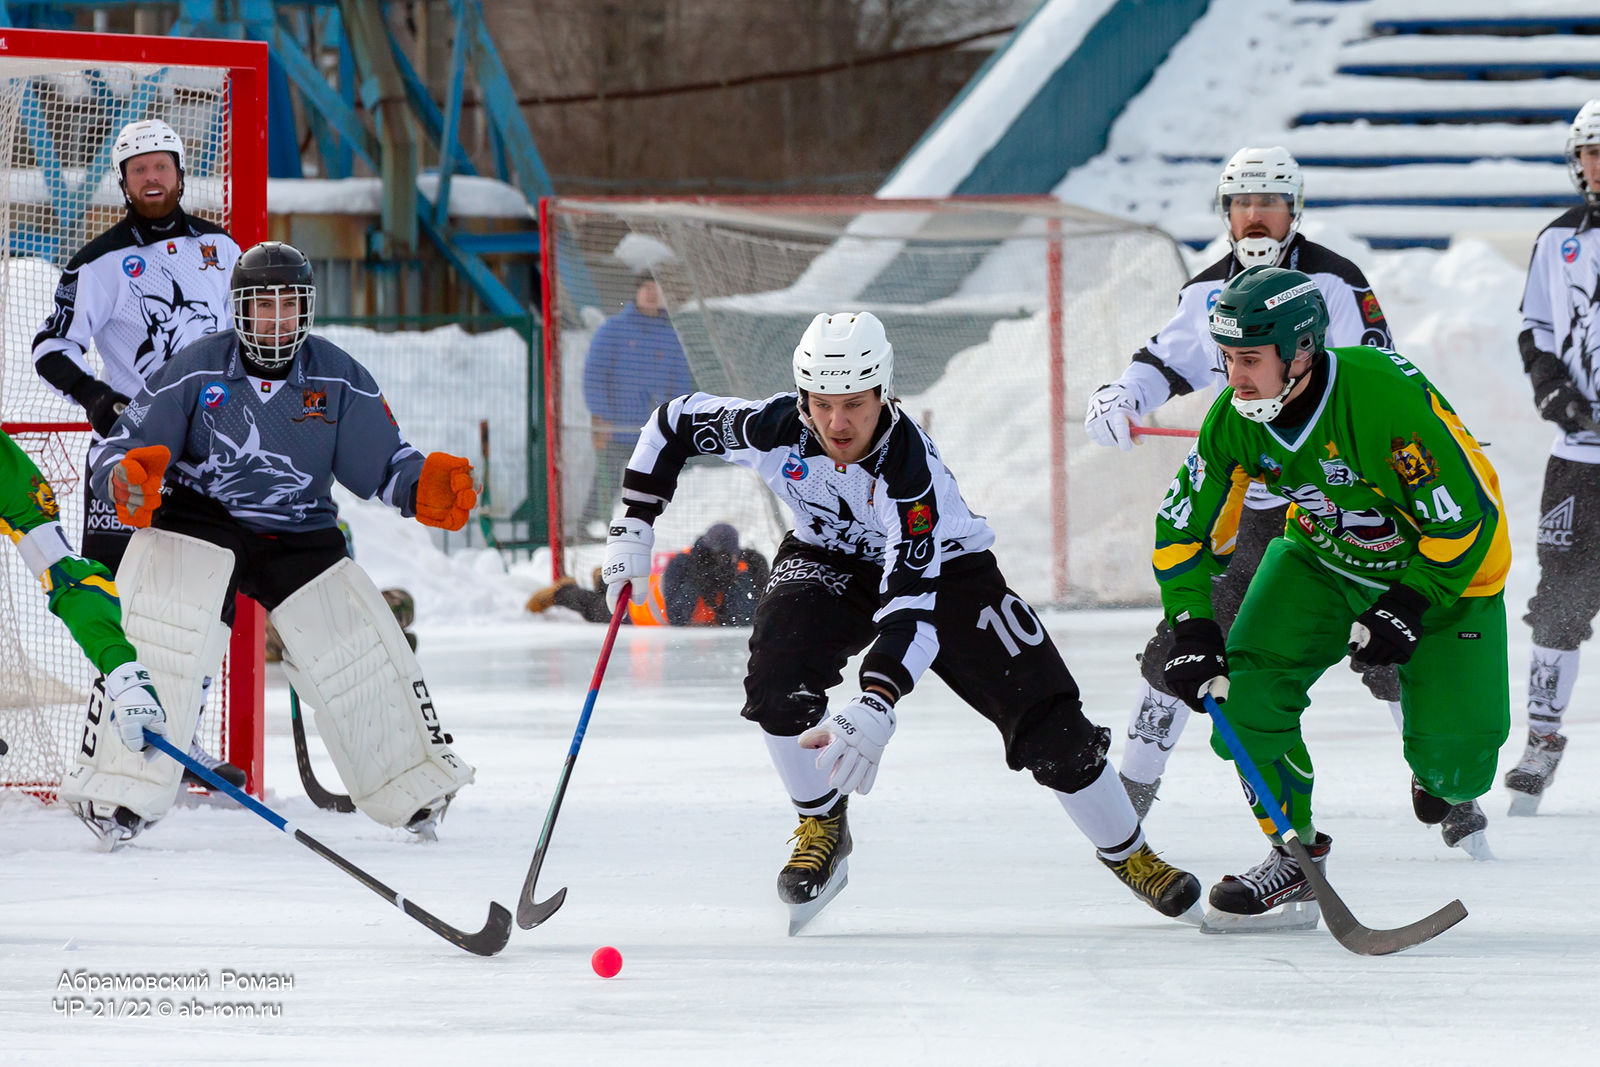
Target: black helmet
(272, 269)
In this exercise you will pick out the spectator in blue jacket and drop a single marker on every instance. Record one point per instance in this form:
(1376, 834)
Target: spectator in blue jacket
(635, 364)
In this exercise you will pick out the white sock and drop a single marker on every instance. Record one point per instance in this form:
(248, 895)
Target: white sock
(1153, 730)
(1552, 672)
(797, 768)
(1102, 813)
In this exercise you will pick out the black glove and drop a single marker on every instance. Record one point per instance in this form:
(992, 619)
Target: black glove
(1198, 655)
(1561, 403)
(100, 402)
(1388, 631)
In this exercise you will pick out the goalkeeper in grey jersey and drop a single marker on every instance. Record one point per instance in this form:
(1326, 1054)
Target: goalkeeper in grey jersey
(1259, 197)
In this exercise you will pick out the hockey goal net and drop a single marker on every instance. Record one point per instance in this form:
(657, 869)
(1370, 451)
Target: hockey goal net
(63, 98)
(1005, 314)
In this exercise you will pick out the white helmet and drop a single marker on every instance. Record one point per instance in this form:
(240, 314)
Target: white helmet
(150, 135)
(1585, 131)
(1261, 170)
(844, 353)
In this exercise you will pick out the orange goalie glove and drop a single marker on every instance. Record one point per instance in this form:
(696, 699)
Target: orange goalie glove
(445, 496)
(136, 483)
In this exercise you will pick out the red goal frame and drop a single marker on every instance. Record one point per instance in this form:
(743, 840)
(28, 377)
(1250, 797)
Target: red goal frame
(246, 63)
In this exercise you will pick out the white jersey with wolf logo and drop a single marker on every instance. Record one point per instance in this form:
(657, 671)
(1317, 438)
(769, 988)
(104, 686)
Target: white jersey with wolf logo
(270, 459)
(1561, 316)
(139, 292)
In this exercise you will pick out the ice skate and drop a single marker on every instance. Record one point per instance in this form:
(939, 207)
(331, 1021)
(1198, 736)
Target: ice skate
(1273, 895)
(1430, 810)
(1532, 776)
(425, 823)
(219, 767)
(1463, 827)
(1141, 794)
(1173, 892)
(112, 825)
(818, 867)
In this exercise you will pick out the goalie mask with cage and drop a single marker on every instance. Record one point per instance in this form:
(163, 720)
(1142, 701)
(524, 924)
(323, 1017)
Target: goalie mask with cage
(844, 353)
(274, 303)
(1585, 131)
(1271, 306)
(1261, 171)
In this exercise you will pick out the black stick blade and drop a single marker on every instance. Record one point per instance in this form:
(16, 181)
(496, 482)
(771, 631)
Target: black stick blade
(322, 798)
(531, 913)
(486, 942)
(1364, 940)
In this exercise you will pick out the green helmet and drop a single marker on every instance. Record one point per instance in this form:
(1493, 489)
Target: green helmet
(1271, 306)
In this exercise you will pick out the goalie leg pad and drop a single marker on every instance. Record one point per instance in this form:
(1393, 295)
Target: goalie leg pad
(172, 589)
(348, 659)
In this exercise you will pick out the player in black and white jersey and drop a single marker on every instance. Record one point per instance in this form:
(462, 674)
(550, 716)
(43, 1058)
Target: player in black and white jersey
(884, 556)
(229, 453)
(1560, 343)
(152, 284)
(1259, 196)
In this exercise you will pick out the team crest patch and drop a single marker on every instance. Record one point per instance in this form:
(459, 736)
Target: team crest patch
(919, 519)
(314, 405)
(794, 468)
(214, 395)
(1369, 307)
(172, 248)
(1271, 469)
(1336, 472)
(44, 497)
(1569, 249)
(208, 258)
(1412, 461)
(133, 266)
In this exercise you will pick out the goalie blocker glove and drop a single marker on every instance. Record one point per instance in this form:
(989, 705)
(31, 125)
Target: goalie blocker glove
(1388, 631)
(1198, 662)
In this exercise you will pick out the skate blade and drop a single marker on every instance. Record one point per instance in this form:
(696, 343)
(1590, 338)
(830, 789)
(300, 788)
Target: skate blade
(1195, 916)
(800, 914)
(1476, 845)
(1523, 804)
(1298, 915)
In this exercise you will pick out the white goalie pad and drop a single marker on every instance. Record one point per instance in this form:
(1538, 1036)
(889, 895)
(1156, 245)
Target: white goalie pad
(172, 588)
(348, 659)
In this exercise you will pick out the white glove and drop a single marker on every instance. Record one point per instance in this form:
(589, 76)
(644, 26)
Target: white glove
(854, 736)
(135, 706)
(1107, 418)
(628, 549)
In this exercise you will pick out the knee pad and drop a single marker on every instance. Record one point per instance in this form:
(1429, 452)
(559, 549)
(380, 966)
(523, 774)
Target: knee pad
(1063, 750)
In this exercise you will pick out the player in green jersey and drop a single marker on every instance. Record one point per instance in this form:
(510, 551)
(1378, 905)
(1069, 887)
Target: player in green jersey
(80, 590)
(1395, 551)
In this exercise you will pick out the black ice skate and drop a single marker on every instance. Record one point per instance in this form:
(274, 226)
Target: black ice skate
(1141, 794)
(1530, 778)
(1171, 891)
(425, 822)
(219, 767)
(818, 868)
(1464, 828)
(1272, 895)
(113, 825)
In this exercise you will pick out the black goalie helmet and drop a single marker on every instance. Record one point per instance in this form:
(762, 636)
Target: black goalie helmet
(274, 302)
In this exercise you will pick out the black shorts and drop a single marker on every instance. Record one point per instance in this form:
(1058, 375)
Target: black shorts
(1563, 607)
(268, 567)
(994, 653)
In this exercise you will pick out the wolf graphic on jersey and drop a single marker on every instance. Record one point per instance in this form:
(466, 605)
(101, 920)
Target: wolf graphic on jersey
(172, 324)
(1584, 335)
(243, 471)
